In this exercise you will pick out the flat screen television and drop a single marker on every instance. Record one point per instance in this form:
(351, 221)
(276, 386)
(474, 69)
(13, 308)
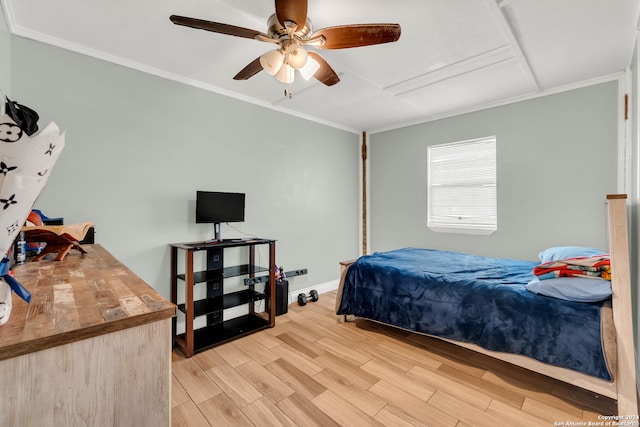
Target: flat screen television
(215, 207)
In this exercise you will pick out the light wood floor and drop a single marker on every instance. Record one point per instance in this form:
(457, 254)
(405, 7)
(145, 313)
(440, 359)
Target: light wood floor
(311, 370)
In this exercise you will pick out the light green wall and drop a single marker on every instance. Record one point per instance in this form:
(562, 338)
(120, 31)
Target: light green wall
(138, 147)
(556, 162)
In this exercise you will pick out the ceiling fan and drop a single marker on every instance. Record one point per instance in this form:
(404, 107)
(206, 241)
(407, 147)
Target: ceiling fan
(291, 30)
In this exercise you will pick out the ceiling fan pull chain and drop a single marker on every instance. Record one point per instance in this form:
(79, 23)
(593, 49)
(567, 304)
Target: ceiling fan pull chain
(287, 91)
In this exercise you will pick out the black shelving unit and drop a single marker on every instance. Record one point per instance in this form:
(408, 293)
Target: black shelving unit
(218, 330)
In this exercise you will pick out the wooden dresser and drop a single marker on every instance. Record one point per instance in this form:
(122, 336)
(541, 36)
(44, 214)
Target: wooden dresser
(92, 348)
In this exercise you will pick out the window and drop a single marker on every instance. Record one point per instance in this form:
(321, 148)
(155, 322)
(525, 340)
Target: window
(461, 187)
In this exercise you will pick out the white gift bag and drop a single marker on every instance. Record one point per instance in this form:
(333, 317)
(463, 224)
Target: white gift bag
(25, 166)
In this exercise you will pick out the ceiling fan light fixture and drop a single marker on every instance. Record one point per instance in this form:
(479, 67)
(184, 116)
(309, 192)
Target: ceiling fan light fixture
(297, 56)
(286, 74)
(272, 61)
(309, 68)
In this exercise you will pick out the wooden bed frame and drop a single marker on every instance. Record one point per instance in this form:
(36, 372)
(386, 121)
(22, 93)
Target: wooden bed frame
(623, 387)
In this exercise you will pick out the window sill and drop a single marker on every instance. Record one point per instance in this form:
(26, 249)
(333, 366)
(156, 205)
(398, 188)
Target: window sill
(462, 230)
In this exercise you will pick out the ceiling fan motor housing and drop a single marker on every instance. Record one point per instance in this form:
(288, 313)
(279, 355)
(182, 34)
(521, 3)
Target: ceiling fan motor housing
(277, 31)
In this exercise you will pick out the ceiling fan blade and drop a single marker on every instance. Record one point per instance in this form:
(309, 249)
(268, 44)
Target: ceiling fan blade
(325, 73)
(249, 71)
(217, 27)
(346, 36)
(292, 10)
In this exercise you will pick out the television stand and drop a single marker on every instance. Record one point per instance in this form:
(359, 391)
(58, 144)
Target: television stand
(219, 330)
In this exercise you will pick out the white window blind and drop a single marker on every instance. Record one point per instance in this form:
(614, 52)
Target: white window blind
(461, 186)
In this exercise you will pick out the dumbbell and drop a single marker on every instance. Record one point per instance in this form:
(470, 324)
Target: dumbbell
(303, 298)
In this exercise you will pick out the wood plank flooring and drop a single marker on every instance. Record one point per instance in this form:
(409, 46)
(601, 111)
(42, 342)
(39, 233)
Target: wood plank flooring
(312, 369)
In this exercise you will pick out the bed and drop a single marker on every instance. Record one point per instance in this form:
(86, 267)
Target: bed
(483, 304)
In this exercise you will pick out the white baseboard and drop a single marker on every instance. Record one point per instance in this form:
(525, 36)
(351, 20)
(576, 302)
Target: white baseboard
(292, 299)
(321, 288)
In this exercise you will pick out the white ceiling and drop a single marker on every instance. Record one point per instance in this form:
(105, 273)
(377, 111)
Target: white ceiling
(453, 55)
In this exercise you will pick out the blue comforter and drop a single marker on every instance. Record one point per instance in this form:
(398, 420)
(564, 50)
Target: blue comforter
(477, 300)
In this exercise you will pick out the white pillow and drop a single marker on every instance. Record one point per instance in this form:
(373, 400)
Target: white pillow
(577, 289)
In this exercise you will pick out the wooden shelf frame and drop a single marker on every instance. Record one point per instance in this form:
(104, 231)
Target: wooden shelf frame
(193, 341)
